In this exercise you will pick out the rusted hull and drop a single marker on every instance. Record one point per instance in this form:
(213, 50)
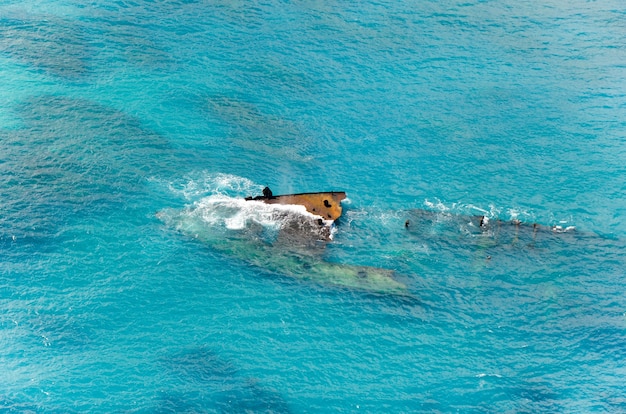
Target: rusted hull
(325, 204)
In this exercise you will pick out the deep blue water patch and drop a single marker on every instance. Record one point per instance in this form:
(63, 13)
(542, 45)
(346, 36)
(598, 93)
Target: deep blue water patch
(58, 46)
(71, 157)
(201, 377)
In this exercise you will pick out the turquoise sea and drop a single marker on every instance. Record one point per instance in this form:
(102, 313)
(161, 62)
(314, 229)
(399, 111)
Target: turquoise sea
(121, 120)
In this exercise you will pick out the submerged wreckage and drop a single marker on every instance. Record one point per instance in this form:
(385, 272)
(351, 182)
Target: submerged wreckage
(287, 235)
(480, 229)
(283, 234)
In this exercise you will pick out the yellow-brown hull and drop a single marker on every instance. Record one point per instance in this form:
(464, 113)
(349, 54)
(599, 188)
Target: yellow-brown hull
(325, 204)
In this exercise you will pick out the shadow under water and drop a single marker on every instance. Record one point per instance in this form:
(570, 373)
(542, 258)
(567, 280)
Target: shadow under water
(72, 49)
(280, 138)
(208, 383)
(70, 156)
(57, 46)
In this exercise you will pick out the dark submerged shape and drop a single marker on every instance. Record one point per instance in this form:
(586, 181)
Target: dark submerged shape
(475, 229)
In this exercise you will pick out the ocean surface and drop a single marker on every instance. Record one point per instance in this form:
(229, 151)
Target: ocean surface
(134, 279)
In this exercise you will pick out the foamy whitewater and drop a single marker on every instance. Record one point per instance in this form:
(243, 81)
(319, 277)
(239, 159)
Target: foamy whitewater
(478, 265)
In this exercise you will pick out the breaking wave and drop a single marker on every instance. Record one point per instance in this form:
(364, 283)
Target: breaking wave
(218, 203)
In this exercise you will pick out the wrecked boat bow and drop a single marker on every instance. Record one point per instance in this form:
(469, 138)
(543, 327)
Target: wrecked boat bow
(324, 204)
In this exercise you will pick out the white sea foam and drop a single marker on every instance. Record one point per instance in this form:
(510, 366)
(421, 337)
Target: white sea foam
(204, 183)
(218, 200)
(483, 375)
(238, 214)
(493, 212)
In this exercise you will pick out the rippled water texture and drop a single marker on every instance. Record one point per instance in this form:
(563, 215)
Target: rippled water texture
(134, 278)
